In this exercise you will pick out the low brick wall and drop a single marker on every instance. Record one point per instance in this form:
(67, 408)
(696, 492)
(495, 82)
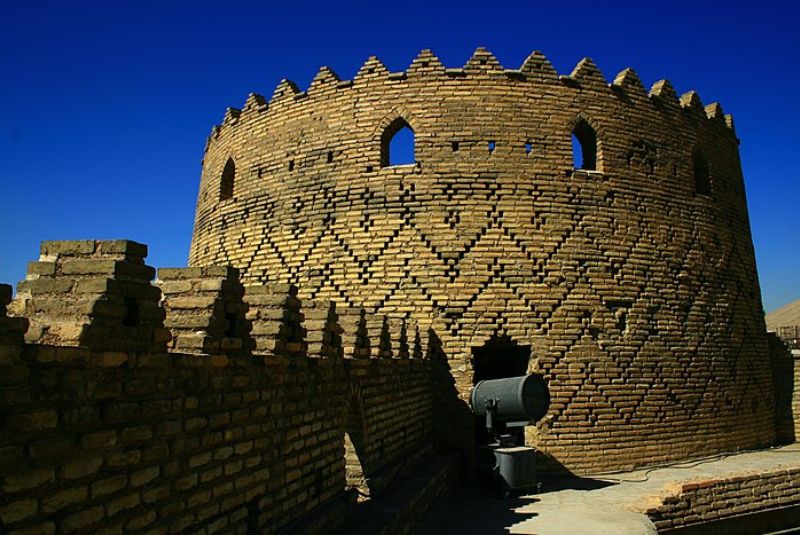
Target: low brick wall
(700, 502)
(167, 442)
(204, 408)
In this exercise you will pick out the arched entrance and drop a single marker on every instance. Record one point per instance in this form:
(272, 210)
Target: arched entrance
(499, 357)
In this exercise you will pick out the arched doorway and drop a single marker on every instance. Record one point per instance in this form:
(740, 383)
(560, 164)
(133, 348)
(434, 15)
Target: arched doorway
(499, 357)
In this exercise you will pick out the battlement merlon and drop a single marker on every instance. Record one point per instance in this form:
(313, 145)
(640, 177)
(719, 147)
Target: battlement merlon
(205, 311)
(94, 294)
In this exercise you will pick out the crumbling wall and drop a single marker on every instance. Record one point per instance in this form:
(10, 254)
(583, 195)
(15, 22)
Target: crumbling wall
(633, 283)
(221, 431)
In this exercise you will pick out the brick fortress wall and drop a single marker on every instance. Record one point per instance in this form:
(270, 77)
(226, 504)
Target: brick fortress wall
(214, 410)
(637, 294)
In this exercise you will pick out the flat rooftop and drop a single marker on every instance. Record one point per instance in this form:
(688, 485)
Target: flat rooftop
(600, 504)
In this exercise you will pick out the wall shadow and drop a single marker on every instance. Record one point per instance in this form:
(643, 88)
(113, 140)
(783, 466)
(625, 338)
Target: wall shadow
(783, 379)
(454, 420)
(472, 509)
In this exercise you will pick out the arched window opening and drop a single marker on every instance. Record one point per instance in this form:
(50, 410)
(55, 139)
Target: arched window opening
(584, 147)
(227, 180)
(702, 179)
(397, 144)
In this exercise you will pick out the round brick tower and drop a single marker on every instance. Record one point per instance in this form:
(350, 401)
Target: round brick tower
(629, 281)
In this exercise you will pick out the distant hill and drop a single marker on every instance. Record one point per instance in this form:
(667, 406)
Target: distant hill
(785, 315)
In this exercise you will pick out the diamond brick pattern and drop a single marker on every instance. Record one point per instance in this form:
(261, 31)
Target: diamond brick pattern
(638, 297)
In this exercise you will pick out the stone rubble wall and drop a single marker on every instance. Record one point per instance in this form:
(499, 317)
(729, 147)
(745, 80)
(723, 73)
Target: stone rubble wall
(199, 427)
(637, 295)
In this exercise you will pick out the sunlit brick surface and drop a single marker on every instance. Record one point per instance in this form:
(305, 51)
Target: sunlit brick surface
(638, 297)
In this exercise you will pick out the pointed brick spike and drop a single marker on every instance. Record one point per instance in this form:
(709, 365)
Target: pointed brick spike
(691, 100)
(372, 68)
(714, 111)
(587, 73)
(231, 115)
(324, 77)
(664, 91)
(426, 61)
(629, 81)
(729, 122)
(536, 65)
(254, 102)
(483, 60)
(285, 90)
(214, 134)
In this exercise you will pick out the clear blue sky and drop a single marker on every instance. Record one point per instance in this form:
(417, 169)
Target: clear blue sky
(105, 106)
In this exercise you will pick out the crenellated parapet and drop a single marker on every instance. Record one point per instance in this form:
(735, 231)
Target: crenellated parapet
(193, 402)
(536, 74)
(98, 295)
(154, 394)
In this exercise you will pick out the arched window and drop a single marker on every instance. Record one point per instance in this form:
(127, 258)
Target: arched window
(397, 144)
(584, 146)
(227, 180)
(702, 179)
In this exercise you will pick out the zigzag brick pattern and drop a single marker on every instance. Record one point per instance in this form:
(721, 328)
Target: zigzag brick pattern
(639, 297)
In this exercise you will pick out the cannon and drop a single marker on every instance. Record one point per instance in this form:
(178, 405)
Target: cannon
(506, 407)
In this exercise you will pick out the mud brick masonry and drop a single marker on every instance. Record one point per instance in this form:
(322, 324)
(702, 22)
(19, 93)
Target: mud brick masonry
(633, 283)
(336, 308)
(235, 422)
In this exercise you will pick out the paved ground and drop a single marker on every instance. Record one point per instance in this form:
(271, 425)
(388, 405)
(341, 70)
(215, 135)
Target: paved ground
(602, 505)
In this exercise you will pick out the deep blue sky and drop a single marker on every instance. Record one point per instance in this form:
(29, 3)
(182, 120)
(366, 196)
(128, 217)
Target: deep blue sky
(105, 106)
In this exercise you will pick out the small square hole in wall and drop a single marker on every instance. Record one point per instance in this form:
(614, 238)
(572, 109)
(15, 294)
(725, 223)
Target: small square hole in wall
(230, 325)
(291, 165)
(528, 147)
(132, 316)
(330, 156)
(454, 146)
(369, 169)
(492, 146)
